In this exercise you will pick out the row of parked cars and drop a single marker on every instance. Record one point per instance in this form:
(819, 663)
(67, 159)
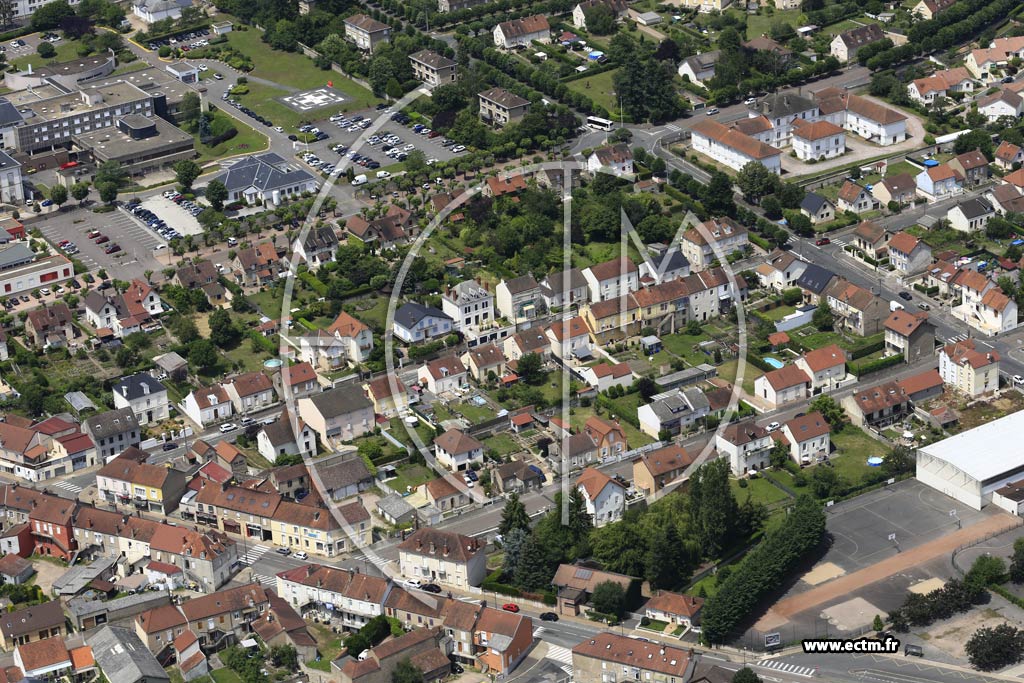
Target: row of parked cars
(317, 163)
(420, 129)
(248, 112)
(187, 204)
(180, 38)
(351, 123)
(152, 221)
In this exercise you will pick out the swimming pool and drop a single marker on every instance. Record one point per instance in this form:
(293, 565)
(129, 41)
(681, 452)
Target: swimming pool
(774, 362)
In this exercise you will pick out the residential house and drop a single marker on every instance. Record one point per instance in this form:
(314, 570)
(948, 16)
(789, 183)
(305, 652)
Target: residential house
(909, 254)
(929, 9)
(1003, 104)
(297, 381)
(341, 476)
(50, 326)
(856, 309)
(575, 584)
(604, 376)
(986, 64)
(225, 613)
(256, 265)
(144, 395)
(605, 497)
(570, 339)
(699, 68)
(930, 89)
(446, 496)
(616, 159)
(970, 215)
(566, 288)
(502, 640)
(787, 384)
(319, 246)
(123, 313)
(713, 240)
(206, 557)
(207, 405)
(783, 109)
(675, 609)
(422, 648)
(341, 414)
(984, 306)
(416, 323)
(113, 432)
(910, 335)
(968, 370)
(432, 69)
(507, 183)
(457, 450)
(250, 392)
(366, 32)
(862, 116)
(613, 319)
(808, 437)
(388, 394)
(518, 299)
(856, 198)
(443, 375)
(973, 166)
(780, 271)
(129, 480)
(673, 412)
(663, 264)
(32, 624)
(287, 435)
(470, 304)
(516, 476)
(872, 239)
(483, 361)
(385, 232)
(612, 279)
(579, 13)
(1007, 155)
(499, 107)
(531, 340)
(354, 597)
(445, 557)
(900, 188)
(939, 182)
(609, 437)
(878, 406)
(818, 140)
(819, 209)
(746, 444)
(522, 32)
(654, 470)
(572, 452)
(733, 148)
(845, 45)
(1005, 198)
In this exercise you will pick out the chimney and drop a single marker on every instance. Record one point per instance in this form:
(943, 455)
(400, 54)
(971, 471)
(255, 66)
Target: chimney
(433, 548)
(419, 544)
(309, 570)
(446, 549)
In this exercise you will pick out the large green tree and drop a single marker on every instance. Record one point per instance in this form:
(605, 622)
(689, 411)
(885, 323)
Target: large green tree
(609, 597)
(993, 648)
(406, 672)
(746, 675)
(713, 510)
(216, 194)
(185, 172)
(513, 516)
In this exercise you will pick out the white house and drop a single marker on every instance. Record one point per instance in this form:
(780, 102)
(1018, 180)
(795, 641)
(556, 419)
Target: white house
(207, 405)
(615, 159)
(605, 497)
(940, 84)
(818, 140)
(443, 375)
(862, 116)
(612, 279)
(570, 339)
(699, 68)
(456, 450)
(971, 215)
(152, 11)
(809, 437)
(579, 13)
(518, 299)
(704, 244)
(673, 412)
(825, 366)
(445, 557)
(747, 445)
(144, 395)
(522, 32)
(469, 304)
(783, 110)
(787, 384)
(1003, 103)
(733, 148)
(968, 370)
(909, 254)
(565, 288)
(415, 322)
(604, 376)
(845, 45)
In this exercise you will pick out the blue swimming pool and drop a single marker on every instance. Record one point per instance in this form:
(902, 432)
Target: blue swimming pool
(774, 362)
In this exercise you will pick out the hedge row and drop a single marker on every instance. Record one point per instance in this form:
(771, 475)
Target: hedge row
(867, 349)
(875, 365)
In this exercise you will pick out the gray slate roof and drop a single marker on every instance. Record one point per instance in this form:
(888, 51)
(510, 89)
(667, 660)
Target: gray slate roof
(15, 255)
(409, 314)
(975, 208)
(815, 278)
(395, 506)
(782, 104)
(812, 202)
(9, 114)
(111, 422)
(340, 401)
(679, 404)
(137, 386)
(123, 657)
(340, 471)
(266, 172)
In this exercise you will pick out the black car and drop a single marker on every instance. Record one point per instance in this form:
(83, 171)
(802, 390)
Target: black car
(548, 616)
(905, 296)
(293, 138)
(457, 669)
(169, 445)
(430, 588)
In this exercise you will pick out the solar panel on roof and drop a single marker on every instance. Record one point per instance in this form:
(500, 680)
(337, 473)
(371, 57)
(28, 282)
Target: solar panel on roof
(584, 574)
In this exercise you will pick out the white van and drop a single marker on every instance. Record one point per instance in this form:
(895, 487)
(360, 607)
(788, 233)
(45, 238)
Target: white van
(383, 174)
(359, 180)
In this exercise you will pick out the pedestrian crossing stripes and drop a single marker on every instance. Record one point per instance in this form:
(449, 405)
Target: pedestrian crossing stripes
(562, 655)
(793, 669)
(673, 127)
(265, 580)
(254, 553)
(840, 242)
(68, 486)
(957, 338)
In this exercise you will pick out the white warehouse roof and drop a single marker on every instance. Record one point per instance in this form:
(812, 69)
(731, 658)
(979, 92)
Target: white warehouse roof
(988, 451)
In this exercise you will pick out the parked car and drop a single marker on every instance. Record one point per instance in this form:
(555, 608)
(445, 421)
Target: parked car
(282, 551)
(905, 296)
(773, 426)
(169, 445)
(430, 588)
(510, 607)
(227, 427)
(548, 616)
(301, 555)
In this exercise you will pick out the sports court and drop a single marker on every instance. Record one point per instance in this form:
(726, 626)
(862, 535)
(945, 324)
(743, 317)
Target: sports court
(309, 100)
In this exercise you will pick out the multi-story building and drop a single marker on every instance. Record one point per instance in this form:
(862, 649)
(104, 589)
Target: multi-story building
(940, 182)
(855, 308)
(746, 444)
(366, 32)
(818, 140)
(341, 414)
(354, 597)
(940, 84)
(432, 69)
(969, 370)
(612, 279)
(845, 45)
(909, 254)
(12, 187)
(604, 497)
(206, 558)
(207, 405)
(778, 387)
(470, 304)
(910, 335)
(826, 367)
(518, 299)
(522, 32)
(971, 215)
(123, 313)
(655, 469)
(129, 480)
(415, 322)
(113, 432)
(144, 395)
(48, 326)
(733, 148)
(32, 624)
(445, 557)
(595, 658)
(712, 240)
(782, 110)
(499, 107)
(457, 450)
(344, 342)
(250, 392)
(443, 375)
(808, 437)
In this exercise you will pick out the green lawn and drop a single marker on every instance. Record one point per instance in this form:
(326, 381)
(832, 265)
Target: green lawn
(853, 447)
(225, 675)
(502, 443)
(901, 167)
(729, 369)
(295, 70)
(683, 345)
(839, 27)
(761, 23)
(474, 413)
(410, 476)
(328, 644)
(599, 88)
(247, 141)
(66, 51)
(777, 314)
(760, 490)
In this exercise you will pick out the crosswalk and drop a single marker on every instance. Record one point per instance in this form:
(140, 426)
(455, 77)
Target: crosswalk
(254, 553)
(957, 338)
(68, 486)
(562, 655)
(793, 669)
(672, 127)
(265, 579)
(840, 241)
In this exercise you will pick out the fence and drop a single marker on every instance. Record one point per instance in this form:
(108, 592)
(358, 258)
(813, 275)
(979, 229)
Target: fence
(999, 532)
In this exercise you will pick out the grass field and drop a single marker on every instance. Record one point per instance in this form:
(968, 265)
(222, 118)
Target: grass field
(599, 88)
(225, 675)
(66, 51)
(328, 644)
(758, 24)
(760, 490)
(728, 371)
(410, 476)
(247, 141)
(853, 448)
(297, 72)
(901, 167)
(503, 444)
(777, 314)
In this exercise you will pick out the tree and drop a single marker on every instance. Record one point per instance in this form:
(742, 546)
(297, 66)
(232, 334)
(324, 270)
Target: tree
(987, 570)
(46, 50)
(191, 108)
(223, 331)
(406, 672)
(833, 413)
(512, 543)
(718, 195)
(415, 162)
(513, 516)
(216, 194)
(712, 507)
(285, 656)
(1017, 562)
(580, 524)
(59, 195)
(609, 597)
(185, 172)
(6, 12)
(529, 368)
(899, 461)
(534, 571)
(202, 354)
(756, 181)
(107, 190)
(779, 456)
(646, 387)
(600, 20)
(80, 191)
(993, 648)
(746, 675)
(49, 16)
(668, 563)
(878, 624)
(823, 318)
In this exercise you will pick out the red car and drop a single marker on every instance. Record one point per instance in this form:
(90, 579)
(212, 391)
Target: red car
(92, 233)
(112, 249)
(510, 607)
(63, 243)
(823, 241)
(102, 239)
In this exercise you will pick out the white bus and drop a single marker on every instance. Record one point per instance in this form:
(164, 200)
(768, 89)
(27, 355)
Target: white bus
(597, 123)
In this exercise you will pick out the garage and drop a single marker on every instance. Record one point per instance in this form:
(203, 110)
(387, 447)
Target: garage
(972, 465)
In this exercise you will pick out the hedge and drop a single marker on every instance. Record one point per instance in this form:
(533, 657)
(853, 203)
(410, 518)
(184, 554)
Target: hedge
(867, 349)
(759, 363)
(875, 365)
(609, 405)
(313, 283)
(759, 241)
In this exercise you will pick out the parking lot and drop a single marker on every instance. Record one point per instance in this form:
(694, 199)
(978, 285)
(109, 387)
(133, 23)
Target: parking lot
(136, 241)
(172, 214)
